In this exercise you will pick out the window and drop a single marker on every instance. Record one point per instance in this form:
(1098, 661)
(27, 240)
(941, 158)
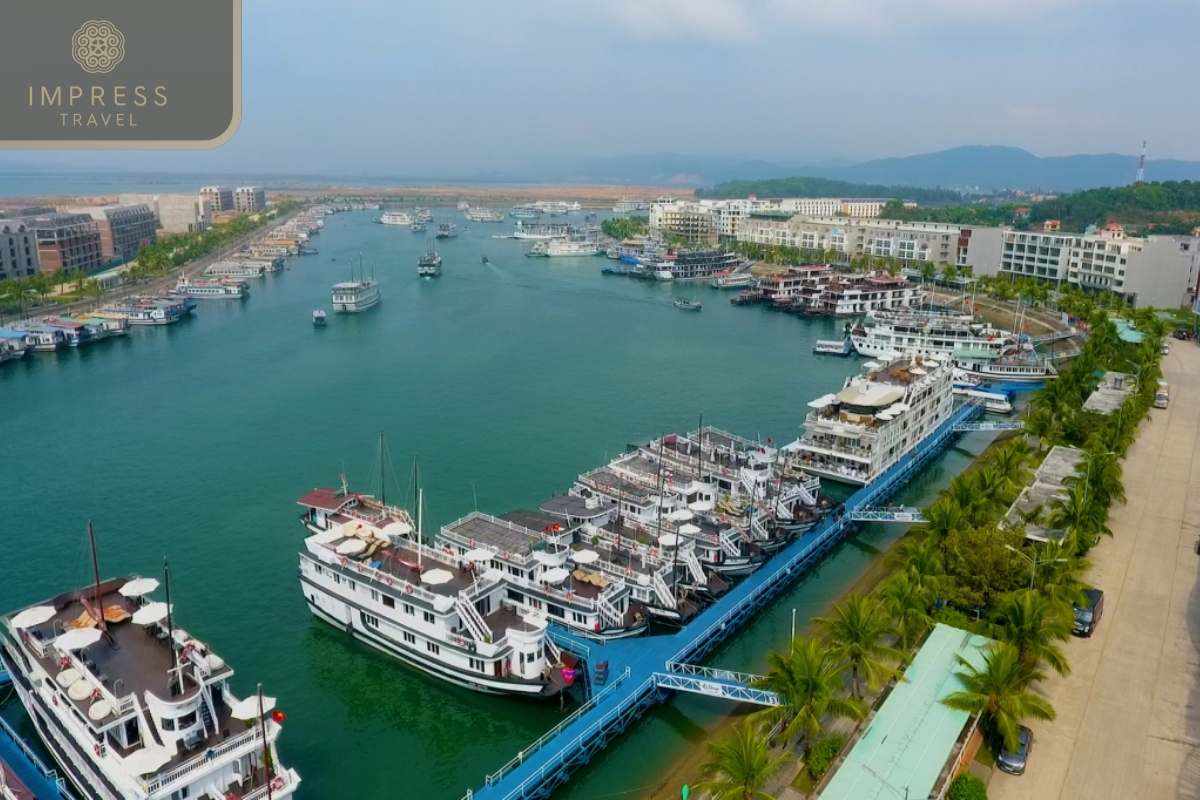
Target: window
(389, 601)
(555, 611)
(515, 596)
(187, 720)
(168, 724)
(408, 609)
(427, 617)
(369, 620)
(476, 664)
(433, 648)
(578, 618)
(409, 638)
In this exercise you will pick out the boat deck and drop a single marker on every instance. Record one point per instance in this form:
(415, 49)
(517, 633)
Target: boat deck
(484, 529)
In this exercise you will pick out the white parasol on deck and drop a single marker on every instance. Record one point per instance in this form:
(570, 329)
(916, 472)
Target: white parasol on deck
(351, 547)
(329, 537)
(436, 577)
(77, 639)
(680, 515)
(67, 677)
(247, 709)
(79, 691)
(397, 529)
(151, 614)
(32, 617)
(586, 557)
(99, 710)
(493, 575)
(146, 761)
(555, 576)
(480, 554)
(823, 401)
(138, 587)
(700, 506)
(668, 540)
(688, 530)
(548, 558)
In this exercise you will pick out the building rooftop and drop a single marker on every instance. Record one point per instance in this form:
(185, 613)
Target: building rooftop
(1110, 394)
(1059, 465)
(906, 746)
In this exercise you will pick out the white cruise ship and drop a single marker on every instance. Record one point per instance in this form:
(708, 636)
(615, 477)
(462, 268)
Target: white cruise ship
(354, 296)
(854, 436)
(133, 707)
(571, 247)
(446, 230)
(931, 333)
(626, 206)
(541, 232)
(396, 218)
(481, 214)
(224, 289)
(363, 570)
(726, 279)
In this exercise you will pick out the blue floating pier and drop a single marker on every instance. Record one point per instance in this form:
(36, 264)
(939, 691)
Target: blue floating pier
(25, 764)
(643, 672)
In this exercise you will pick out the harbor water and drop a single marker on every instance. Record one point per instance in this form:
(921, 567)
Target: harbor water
(508, 378)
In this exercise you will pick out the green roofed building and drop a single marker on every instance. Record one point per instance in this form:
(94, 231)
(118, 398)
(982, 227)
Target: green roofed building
(913, 738)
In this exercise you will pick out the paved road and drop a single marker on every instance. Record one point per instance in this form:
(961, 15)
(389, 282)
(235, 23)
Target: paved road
(1129, 715)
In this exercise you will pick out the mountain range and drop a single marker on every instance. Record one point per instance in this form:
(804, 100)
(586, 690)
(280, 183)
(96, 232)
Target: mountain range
(988, 168)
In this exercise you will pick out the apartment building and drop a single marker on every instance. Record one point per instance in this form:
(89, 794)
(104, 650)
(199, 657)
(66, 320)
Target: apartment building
(1156, 270)
(692, 220)
(177, 213)
(124, 229)
(248, 199)
(219, 198)
(723, 218)
(933, 242)
(18, 250)
(66, 241)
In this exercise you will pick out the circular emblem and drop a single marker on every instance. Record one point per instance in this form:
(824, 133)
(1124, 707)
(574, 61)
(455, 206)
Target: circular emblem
(98, 46)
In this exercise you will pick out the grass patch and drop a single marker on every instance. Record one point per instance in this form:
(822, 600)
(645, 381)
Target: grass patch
(803, 782)
(985, 756)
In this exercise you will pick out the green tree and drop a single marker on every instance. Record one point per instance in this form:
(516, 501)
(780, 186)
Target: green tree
(981, 567)
(738, 768)
(921, 560)
(1034, 624)
(997, 692)
(1083, 517)
(808, 680)
(907, 602)
(856, 632)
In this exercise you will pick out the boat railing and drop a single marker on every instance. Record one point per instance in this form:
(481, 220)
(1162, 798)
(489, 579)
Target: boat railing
(438, 601)
(279, 782)
(447, 530)
(827, 447)
(545, 738)
(35, 759)
(120, 706)
(204, 761)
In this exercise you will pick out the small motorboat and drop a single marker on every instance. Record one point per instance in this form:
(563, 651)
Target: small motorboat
(688, 305)
(484, 260)
(319, 318)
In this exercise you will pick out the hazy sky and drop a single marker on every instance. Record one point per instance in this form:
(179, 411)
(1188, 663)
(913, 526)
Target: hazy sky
(437, 88)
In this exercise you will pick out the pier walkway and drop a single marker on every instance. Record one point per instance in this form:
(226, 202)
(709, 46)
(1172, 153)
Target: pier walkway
(643, 672)
(25, 765)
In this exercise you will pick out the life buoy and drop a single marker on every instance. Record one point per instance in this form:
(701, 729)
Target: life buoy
(408, 590)
(628, 572)
(54, 699)
(345, 561)
(276, 784)
(389, 580)
(96, 749)
(570, 595)
(654, 552)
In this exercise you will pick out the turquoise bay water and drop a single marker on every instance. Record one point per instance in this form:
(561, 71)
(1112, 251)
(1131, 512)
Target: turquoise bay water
(194, 441)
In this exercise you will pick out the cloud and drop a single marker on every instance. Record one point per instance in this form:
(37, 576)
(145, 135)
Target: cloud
(747, 20)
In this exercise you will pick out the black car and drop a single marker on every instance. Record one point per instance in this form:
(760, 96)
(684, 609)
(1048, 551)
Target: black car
(1087, 616)
(1014, 763)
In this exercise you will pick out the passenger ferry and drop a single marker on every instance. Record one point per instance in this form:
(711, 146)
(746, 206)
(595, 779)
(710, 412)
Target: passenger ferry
(572, 247)
(143, 313)
(880, 415)
(993, 402)
(75, 332)
(480, 214)
(112, 324)
(525, 212)
(365, 570)
(447, 230)
(13, 345)
(241, 271)
(396, 218)
(538, 232)
(133, 707)
(626, 206)
(1023, 368)
(213, 290)
(423, 214)
(726, 279)
(429, 265)
(417, 227)
(931, 333)
(353, 296)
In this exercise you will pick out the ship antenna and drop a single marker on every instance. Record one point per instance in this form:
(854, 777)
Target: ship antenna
(171, 628)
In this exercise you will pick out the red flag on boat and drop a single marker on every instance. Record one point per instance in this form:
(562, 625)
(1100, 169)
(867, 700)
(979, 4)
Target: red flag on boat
(278, 716)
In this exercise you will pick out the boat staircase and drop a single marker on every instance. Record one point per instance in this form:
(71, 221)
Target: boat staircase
(728, 540)
(760, 533)
(688, 557)
(206, 715)
(664, 593)
(645, 671)
(471, 618)
(608, 612)
(554, 651)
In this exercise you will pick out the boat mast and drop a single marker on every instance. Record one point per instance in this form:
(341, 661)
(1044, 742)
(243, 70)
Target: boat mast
(662, 443)
(382, 474)
(262, 726)
(171, 626)
(96, 576)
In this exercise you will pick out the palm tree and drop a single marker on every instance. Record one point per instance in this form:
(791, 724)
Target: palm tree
(1058, 576)
(808, 681)
(1042, 426)
(1010, 463)
(964, 491)
(1032, 623)
(921, 561)
(737, 769)
(998, 693)
(908, 604)
(1081, 516)
(856, 631)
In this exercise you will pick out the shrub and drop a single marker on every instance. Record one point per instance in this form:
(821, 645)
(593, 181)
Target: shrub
(948, 615)
(968, 787)
(822, 754)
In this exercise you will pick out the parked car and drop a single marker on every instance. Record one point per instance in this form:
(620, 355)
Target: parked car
(1166, 349)
(1014, 763)
(1087, 617)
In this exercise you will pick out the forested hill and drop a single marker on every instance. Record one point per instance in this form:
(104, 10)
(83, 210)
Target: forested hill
(824, 187)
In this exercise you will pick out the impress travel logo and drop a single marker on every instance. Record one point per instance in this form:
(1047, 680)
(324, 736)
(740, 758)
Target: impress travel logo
(120, 73)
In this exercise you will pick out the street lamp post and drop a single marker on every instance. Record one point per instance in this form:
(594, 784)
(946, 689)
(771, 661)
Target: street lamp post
(1034, 563)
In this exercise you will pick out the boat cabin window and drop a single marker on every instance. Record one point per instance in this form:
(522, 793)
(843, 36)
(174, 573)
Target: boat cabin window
(427, 617)
(433, 648)
(389, 601)
(408, 609)
(555, 611)
(515, 596)
(578, 618)
(520, 573)
(409, 638)
(187, 720)
(476, 664)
